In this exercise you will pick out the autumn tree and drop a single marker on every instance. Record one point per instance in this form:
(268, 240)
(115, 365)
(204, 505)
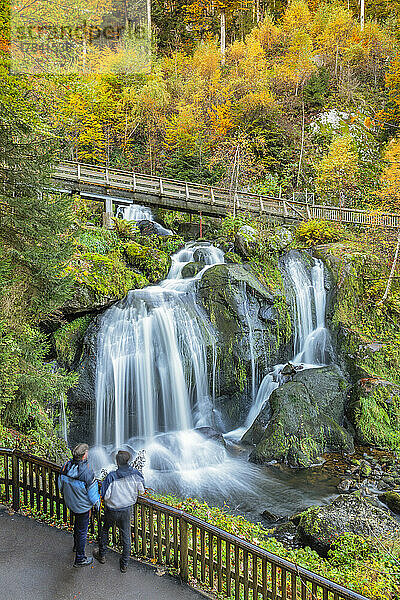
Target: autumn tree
(338, 172)
(390, 180)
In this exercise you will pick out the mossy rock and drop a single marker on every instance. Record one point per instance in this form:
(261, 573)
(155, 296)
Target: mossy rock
(153, 263)
(239, 307)
(100, 280)
(191, 269)
(375, 412)
(319, 526)
(68, 341)
(392, 501)
(307, 417)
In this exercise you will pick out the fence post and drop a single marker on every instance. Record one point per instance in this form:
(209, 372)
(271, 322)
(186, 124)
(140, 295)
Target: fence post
(184, 549)
(15, 482)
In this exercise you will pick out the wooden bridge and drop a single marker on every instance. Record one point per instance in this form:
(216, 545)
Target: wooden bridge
(124, 188)
(203, 555)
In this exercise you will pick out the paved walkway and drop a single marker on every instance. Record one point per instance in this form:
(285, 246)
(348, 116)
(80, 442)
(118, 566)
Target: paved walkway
(36, 564)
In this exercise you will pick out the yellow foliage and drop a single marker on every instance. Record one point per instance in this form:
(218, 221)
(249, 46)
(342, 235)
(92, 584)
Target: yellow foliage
(297, 64)
(221, 120)
(339, 170)
(296, 16)
(267, 33)
(256, 100)
(207, 59)
(183, 131)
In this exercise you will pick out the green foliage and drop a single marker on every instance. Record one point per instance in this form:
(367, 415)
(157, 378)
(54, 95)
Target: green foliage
(105, 275)
(87, 211)
(153, 263)
(68, 340)
(45, 444)
(314, 232)
(171, 244)
(34, 248)
(315, 89)
(98, 240)
(125, 229)
(232, 257)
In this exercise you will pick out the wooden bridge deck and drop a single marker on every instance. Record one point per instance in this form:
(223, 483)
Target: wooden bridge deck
(124, 187)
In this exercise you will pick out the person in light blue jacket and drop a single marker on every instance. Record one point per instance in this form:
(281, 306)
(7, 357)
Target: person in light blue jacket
(81, 492)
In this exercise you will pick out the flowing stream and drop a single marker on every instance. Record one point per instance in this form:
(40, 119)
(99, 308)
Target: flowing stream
(153, 388)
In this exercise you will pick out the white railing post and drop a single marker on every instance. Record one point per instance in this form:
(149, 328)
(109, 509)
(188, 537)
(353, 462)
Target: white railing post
(79, 172)
(134, 181)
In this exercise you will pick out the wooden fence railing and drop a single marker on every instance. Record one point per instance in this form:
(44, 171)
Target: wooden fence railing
(198, 551)
(194, 197)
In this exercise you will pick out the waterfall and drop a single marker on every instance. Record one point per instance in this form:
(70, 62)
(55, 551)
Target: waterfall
(63, 431)
(312, 346)
(137, 213)
(311, 337)
(152, 364)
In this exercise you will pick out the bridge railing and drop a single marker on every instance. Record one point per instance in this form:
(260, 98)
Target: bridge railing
(200, 553)
(184, 195)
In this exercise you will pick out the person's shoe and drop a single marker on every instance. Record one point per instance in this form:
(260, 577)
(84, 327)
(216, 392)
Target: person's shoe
(84, 563)
(97, 556)
(122, 567)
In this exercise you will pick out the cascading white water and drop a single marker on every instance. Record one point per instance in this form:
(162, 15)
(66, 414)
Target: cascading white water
(312, 346)
(63, 430)
(152, 385)
(134, 212)
(151, 364)
(311, 339)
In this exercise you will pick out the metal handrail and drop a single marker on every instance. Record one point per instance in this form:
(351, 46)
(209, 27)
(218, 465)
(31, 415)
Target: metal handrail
(247, 571)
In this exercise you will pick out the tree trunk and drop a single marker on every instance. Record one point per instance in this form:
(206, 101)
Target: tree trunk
(148, 4)
(301, 149)
(223, 35)
(392, 270)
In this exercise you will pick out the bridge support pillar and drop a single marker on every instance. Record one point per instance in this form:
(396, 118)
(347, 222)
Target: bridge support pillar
(108, 214)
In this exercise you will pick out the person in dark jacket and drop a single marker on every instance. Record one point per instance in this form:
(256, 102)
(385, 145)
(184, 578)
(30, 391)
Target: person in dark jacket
(81, 493)
(119, 491)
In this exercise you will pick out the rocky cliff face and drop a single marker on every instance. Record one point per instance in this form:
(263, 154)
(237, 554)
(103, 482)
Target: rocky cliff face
(246, 316)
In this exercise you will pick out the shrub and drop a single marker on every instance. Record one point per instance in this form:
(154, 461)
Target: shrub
(97, 239)
(312, 233)
(105, 275)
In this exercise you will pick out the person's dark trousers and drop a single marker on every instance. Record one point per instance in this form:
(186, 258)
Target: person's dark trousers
(122, 518)
(81, 523)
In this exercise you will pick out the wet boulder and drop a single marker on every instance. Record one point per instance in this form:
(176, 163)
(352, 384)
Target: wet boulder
(373, 410)
(237, 303)
(318, 526)
(392, 501)
(211, 434)
(191, 269)
(307, 416)
(87, 300)
(153, 263)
